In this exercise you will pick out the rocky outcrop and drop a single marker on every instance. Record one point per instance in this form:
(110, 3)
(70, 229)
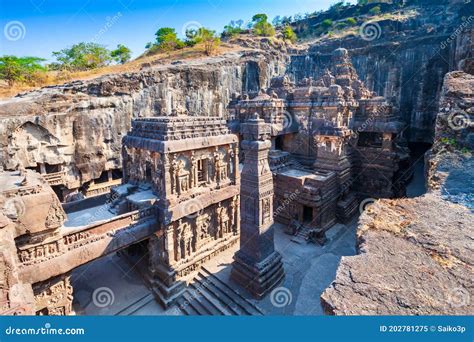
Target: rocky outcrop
(403, 59)
(415, 255)
(78, 127)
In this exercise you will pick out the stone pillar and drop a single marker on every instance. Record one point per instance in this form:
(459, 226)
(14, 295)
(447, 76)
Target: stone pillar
(257, 266)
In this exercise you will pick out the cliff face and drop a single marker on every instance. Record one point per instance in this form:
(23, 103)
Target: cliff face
(80, 125)
(416, 255)
(403, 58)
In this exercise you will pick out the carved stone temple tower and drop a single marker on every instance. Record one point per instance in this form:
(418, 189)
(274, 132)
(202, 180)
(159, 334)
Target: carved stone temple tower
(257, 266)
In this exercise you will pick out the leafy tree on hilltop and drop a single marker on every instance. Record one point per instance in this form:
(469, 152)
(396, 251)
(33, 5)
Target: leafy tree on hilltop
(209, 38)
(167, 40)
(261, 26)
(233, 28)
(20, 69)
(83, 56)
(121, 54)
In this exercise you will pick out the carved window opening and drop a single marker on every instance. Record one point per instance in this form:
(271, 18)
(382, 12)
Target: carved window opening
(148, 172)
(201, 170)
(49, 168)
(104, 178)
(117, 174)
(370, 139)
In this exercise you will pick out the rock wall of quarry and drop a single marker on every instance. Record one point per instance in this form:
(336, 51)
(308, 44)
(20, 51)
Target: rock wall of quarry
(415, 254)
(81, 124)
(403, 60)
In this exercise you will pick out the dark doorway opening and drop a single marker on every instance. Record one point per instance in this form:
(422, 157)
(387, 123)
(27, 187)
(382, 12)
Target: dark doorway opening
(307, 214)
(279, 142)
(52, 168)
(104, 178)
(58, 190)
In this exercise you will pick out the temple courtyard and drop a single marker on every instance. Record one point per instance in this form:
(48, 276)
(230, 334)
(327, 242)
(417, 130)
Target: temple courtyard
(309, 269)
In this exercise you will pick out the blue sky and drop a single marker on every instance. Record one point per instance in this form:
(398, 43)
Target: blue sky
(38, 27)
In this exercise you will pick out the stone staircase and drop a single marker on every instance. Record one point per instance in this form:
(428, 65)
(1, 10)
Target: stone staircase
(301, 236)
(135, 306)
(208, 295)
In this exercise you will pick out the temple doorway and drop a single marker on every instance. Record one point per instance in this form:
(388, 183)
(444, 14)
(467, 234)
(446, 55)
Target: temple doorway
(307, 214)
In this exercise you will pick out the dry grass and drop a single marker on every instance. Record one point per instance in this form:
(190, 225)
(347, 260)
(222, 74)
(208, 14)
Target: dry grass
(56, 77)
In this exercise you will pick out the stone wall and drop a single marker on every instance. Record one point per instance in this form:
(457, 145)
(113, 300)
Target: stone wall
(80, 125)
(405, 61)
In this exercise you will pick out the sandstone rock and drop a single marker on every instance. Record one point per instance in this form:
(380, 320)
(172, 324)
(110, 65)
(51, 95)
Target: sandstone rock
(416, 255)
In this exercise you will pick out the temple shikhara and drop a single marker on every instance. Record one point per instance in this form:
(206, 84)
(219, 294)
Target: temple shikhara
(296, 157)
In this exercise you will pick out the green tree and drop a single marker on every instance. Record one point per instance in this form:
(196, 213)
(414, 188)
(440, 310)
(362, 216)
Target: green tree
(20, 69)
(289, 34)
(261, 26)
(167, 40)
(337, 6)
(83, 56)
(209, 39)
(233, 28)
(277, 21)
(121, 54)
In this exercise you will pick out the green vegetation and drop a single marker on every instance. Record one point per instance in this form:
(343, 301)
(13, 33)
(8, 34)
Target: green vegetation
(351, 21)
(375, 10)
(233, 29)
(289, 34)
(455, 145)
(338, 6)
(20, 69)
(121, 54)
(82, 56)
(362, 2)
(208, 38)
(166, 41)
(327, 23)
(261, 26)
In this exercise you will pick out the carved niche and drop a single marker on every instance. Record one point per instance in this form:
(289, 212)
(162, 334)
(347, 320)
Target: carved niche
(185, 239)
(203, 225)
(181, 174)
(54, 297)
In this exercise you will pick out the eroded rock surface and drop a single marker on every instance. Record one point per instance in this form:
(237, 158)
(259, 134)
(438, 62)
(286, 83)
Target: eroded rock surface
(416, 255)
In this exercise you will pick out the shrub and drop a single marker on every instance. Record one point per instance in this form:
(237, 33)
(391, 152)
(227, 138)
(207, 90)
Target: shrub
(351, 21)
(375, 10)
(327, 23)
(289, 34)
